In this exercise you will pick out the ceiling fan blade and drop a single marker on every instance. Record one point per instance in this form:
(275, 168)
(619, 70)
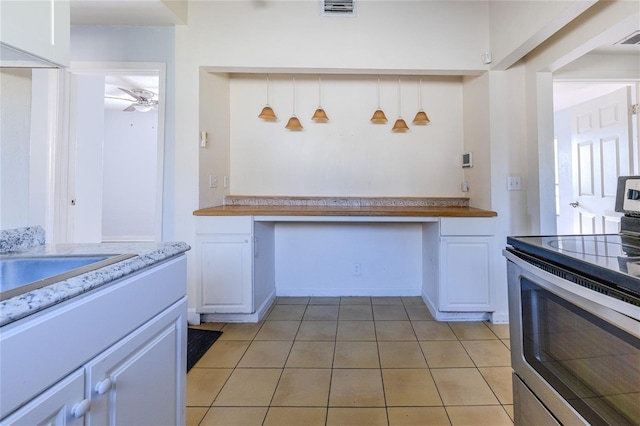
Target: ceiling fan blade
(130, 108)
(118, 99)
(130, 93)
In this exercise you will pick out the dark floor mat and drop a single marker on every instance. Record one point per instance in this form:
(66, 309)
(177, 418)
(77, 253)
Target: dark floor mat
(198, 342)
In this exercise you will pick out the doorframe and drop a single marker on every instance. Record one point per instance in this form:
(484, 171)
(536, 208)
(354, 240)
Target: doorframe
(66, 148)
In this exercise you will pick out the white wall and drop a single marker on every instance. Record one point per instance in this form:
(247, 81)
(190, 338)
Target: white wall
(517, 27)
(15, 110)
(129, 178)
(439, 36)
(348, 156)
(361, 259)
(88, 137)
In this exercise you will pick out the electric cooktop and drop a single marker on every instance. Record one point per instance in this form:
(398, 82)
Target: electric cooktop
(607, 258)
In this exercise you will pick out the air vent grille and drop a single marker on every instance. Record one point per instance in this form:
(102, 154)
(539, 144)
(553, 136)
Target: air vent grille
(633, 38)
(338, 7)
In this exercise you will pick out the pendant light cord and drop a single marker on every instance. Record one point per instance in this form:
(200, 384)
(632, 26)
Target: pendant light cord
(294, 95)
(379, 92)
(267, 89)
(420, 92)
(319, 93)
(399, 100)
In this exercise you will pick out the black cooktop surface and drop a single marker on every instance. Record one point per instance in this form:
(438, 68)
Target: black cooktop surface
(610, 258)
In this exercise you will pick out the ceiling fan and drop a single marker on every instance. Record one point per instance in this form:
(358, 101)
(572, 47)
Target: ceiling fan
(142, 100)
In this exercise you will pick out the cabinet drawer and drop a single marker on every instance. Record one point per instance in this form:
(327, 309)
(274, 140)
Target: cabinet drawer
(467, 226)
(224, 224)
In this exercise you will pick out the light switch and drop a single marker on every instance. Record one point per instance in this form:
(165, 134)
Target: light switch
(513, 183)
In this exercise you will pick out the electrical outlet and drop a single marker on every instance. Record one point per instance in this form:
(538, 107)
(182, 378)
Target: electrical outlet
(225, 181)
(356, 269)
(513, 183)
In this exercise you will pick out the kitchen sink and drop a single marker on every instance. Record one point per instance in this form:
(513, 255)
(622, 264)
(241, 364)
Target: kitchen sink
(19, 275)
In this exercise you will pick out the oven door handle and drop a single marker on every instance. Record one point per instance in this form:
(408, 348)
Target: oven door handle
(622, 314)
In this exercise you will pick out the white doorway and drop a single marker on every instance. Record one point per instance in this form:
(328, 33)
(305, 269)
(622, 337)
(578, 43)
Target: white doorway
(595, 143)
(116, 152)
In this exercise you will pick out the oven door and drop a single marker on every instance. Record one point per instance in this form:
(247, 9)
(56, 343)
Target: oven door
(578, 351)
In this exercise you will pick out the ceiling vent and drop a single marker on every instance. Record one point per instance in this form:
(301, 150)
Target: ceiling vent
(338, 8)
(633, 38)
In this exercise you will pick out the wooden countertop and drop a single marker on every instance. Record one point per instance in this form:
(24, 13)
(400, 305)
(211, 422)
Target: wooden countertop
(392, 211)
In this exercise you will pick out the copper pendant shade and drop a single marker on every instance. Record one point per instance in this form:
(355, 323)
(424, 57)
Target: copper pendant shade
(421, 117)
(320, 116)
(378, 115)
(294, 123)
(400, 125)
(267, 113)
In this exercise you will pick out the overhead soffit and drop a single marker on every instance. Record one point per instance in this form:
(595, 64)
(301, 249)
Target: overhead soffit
(129, 12)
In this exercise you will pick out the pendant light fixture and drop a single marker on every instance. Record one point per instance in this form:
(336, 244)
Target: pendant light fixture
(320, 116)
(294, 123)
(378, 116)
(400, 125)
(421, 116)
(267, 113)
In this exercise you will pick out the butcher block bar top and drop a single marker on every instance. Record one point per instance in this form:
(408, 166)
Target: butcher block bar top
(344, 206)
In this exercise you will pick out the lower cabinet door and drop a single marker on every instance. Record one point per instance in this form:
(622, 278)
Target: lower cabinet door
(61, 404)
(465, 284)
(225, 274)
(141, 379)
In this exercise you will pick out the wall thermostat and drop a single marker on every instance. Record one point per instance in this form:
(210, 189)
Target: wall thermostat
(467, 160)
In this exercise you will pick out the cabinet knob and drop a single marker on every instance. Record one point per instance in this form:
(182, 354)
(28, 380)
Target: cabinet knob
(81, 408)
(103, 386)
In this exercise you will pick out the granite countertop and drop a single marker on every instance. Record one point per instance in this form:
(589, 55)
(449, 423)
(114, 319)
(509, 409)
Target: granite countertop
(27, 242)
(237, 205)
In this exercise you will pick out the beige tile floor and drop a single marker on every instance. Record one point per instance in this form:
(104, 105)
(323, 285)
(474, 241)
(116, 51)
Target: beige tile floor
(353, 361)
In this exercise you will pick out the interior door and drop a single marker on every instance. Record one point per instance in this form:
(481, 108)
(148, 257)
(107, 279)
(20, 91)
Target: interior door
(601, 151)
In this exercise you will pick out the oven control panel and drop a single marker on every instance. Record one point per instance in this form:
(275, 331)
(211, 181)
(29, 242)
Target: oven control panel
(631, 203)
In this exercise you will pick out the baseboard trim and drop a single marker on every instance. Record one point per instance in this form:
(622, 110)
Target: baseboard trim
(193, 318)
(345, 292)
(453, 316)
(500, 317)
(256, 316)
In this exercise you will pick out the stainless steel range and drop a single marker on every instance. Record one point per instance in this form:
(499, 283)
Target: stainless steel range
(574, 313)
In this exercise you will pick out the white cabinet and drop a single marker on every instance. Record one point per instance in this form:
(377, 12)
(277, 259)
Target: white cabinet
(225, 264)
(465, 284)
(466, 247)
(127, 384)
(33, 33)
(55, 406)
(235, 278)
(113, 356)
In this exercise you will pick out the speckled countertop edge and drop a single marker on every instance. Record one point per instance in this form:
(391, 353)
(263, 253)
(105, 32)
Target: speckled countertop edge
(34, 301)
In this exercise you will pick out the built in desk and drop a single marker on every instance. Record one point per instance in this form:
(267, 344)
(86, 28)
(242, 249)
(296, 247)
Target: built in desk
(252, 249)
